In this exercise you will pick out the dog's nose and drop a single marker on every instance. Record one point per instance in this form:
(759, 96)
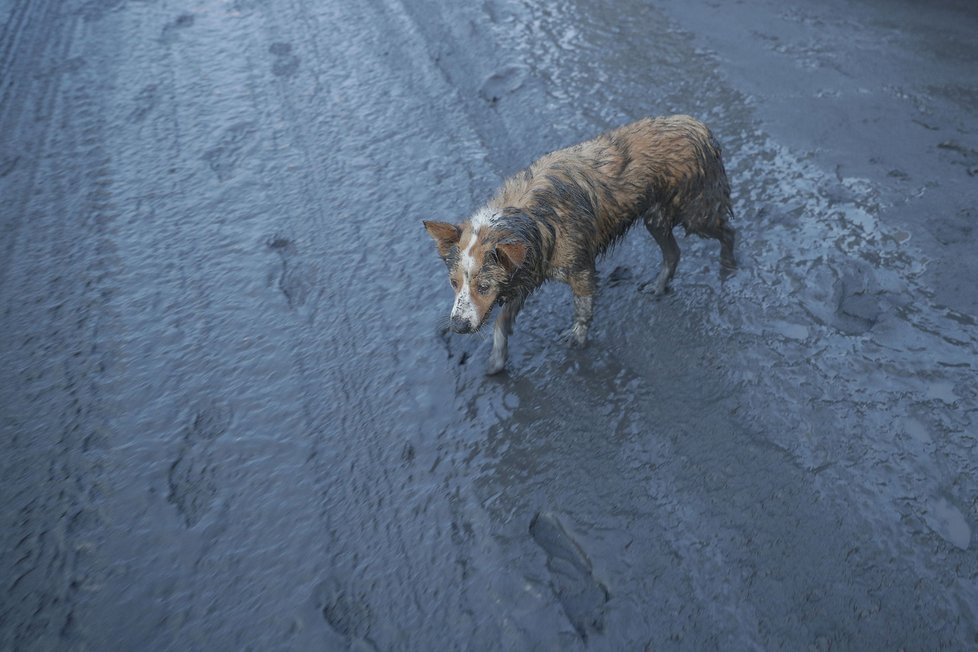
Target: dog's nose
(460, 324)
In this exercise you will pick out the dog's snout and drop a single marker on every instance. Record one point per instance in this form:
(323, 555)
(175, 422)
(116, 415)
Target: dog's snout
(460, 324)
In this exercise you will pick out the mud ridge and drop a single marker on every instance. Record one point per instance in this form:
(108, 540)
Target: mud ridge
(582, 596)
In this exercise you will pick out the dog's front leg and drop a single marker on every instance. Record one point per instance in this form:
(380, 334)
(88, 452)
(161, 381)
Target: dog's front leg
(500, 336)
(583, 284)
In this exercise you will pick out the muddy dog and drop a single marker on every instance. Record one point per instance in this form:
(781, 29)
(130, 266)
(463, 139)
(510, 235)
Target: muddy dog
(553, 219)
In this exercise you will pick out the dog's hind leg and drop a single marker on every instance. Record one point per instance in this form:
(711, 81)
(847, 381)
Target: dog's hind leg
(726, 235)
(720, 230)
(661, 230)
(727, 238)
(583, 284)
(500, 336)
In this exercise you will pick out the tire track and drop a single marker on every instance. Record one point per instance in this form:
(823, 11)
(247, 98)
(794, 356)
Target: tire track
(20, 26)
(185, 369)
(178, 229)
(459, 43)
(344, 600)
(361, 474)
(194, 153)
(62, 348)
(32, 37)
(64, 339)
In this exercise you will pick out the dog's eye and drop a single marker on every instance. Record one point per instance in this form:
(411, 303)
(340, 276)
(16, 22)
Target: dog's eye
(483, 287)
(454, 283)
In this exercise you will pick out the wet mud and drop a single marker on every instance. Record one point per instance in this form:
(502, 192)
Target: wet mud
(231, 420)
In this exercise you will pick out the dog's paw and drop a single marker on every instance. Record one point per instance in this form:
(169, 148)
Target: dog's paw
(654, 289)
(727, 269)
(575, 337)
(495, 367)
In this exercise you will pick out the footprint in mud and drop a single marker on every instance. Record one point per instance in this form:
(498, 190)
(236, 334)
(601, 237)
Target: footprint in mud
(285, 64)
(858, 307)
(947, 521)
(348, 615)
(192, 484)
(191, 478)
(281, 244)
(297, 284)
(966, 156)
(582, 596)
(502, 82)
(224, 157)
(94, 10)
(244, 6)
(145, 102)
(948, 231)
(298, 281)
(171, 29)
(211, 420)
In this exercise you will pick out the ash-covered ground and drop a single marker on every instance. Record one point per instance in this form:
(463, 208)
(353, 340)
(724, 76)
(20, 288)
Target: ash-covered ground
(230, 421)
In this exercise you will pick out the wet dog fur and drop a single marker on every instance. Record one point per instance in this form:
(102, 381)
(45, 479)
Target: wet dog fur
(552, 220)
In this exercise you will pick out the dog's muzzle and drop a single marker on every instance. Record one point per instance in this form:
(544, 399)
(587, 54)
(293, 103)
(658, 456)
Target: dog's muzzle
(461, 325)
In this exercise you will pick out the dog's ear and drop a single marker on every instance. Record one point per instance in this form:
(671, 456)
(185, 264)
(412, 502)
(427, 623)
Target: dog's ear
(511, 255)
(445, 235)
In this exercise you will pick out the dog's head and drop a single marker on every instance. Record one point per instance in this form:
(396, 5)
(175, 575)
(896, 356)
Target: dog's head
(481, 261)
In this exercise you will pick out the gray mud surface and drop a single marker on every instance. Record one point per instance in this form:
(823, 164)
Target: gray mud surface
(229, 420)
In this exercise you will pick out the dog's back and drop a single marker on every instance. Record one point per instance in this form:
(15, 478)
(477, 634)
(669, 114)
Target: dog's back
(585, 197)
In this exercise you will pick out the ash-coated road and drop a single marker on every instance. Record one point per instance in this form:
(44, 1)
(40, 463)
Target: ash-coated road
(229, 420)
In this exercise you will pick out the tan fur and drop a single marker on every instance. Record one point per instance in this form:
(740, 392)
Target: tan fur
(552, 220)
(622, 167)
